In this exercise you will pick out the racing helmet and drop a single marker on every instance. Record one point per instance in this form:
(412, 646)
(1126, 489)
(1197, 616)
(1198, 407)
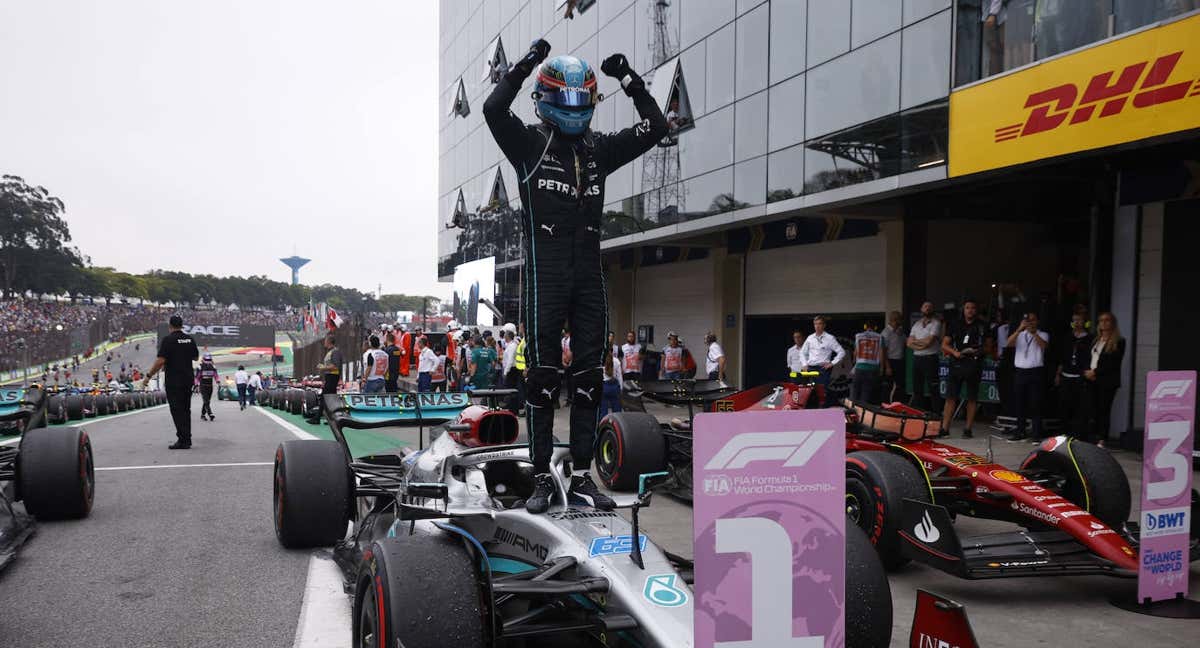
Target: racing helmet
(565, 94)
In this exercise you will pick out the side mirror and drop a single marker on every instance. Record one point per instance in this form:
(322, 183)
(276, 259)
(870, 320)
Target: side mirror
(650, 481)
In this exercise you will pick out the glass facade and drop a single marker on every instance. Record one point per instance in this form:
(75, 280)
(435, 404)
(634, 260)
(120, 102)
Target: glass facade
(998, 35)
(775, 99)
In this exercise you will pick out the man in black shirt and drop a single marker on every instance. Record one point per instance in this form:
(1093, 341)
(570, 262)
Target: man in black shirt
(391, 381)
(963, 344)
(331, 373)
(1074, 403)
(176, 352)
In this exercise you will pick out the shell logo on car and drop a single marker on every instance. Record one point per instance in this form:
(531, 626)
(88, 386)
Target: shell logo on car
(1007, 476)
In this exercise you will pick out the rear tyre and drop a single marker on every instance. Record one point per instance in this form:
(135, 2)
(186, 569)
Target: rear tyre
(311, 403)
(297, 401)
(314, 493)
(418, 591)
(89, 406)
(877, 483)
(56, 477)
(868, 595)
(629, 444)
(74, 407)
(56, 408)
(1094, 481)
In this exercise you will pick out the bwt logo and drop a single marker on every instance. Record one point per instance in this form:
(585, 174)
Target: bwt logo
(1171, 388)
(1051, 108)
(794, 449)
(216, 329)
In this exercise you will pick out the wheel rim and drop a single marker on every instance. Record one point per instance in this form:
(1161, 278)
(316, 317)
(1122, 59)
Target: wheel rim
(853, 508)
(87, 473)
(368, 621)
(858, 495)
(279, 494)
(608, 457)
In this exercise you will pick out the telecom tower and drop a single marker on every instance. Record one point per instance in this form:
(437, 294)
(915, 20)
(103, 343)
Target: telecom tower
(660, 166)
(295, 263)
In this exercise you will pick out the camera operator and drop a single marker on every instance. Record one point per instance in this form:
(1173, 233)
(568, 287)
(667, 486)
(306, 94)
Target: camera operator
(1029, 365)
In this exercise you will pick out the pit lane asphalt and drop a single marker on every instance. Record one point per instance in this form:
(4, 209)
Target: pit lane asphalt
(169, 556)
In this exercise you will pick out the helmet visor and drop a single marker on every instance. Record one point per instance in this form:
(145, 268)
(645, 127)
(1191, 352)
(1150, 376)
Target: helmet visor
(570, 98)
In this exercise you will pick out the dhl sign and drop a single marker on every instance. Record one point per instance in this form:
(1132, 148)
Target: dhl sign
(1140, 86)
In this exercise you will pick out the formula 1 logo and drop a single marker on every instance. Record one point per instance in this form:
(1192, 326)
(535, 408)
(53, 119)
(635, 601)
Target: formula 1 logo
(1171, 389)
(794, 449)
(1144, 82)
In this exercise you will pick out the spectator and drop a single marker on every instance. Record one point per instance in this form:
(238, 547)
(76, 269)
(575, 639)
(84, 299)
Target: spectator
(820, 352)
(1104, 374)
(610, 396)
(483, 361)
(391, 381)
(894, 342)
(964, 342)
(613, 352)
(714, 362)
(175, 355)
(240, 378)
(925, 339)
(794, 359)
(252, 386)
(437, 379)
(1029, 374)
(672, 358)
(426, 364)
(1073, 404)
(869, 358)
(631, 358)
(375, 364)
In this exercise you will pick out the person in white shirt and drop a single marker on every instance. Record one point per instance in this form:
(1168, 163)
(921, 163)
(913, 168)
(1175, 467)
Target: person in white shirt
(374, 362)
(925, 339)
(795, 365)
(426, 364)
(253, 384)
(1029, 376)
(820, 352)
(240, 378)
(631, 358)
(714, 362)
(672, 358)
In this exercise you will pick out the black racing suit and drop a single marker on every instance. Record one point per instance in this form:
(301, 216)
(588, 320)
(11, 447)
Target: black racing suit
(561, 182)
(206, 374)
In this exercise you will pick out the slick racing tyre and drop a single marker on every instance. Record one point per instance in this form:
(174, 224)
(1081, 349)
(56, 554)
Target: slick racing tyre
(314, 493)
(418, 591)
(74, 407)
(877, 483)
(56, 408)
(628, 445)
(296, 401)
(1092, 479)
(868, 595)
(311, 402)
(89, 406)
(55, 473)
(263, 398)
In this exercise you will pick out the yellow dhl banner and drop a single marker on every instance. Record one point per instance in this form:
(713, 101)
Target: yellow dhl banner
(1140, 86)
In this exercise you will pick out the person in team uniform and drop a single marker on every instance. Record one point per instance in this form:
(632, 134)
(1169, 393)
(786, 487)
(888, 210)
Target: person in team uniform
(330, 369)
(869, 360)
(672, 358)
(964, 344)
(391, 381)
(631, 358)
(206, 375)
(176, 353)
(375, 366)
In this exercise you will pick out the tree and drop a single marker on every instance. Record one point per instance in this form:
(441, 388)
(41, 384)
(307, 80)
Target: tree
(31, 223)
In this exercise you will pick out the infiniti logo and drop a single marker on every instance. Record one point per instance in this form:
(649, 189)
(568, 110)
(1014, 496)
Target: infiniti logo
(925, 530)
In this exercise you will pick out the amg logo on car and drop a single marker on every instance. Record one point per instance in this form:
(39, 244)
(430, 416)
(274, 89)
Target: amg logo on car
(1145, 82)
(794, 449)
(520, 542)
(219, 330)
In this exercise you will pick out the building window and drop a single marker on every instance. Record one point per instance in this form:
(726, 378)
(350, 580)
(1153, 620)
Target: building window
(571, 7)
(458, 218)
(669, 90)
(460, 107)
(495, 63)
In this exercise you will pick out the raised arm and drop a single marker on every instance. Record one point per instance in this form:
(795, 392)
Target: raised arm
(626, 145)
(507, 128)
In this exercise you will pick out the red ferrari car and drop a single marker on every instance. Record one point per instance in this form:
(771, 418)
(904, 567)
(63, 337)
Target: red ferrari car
(1069, 500)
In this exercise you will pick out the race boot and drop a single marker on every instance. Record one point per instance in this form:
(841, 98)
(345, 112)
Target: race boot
(543, 492)
(584, 491)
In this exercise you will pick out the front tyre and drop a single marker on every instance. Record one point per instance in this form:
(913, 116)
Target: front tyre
(628, 445)
(868, 595)
(56, 475)
(877, 483)
(314, 493)
(1092, 479)
(418, 591)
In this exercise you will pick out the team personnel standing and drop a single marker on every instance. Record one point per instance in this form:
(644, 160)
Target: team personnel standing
(375, 366)
(1104, 373)
(483, 362)
(820, 352)
(206, 375)
(963, 343)
(252, 386)
(672, 358)
(869, 359)
(925, 340)
(1074, 407)
(240, 378)
(330, 369)
(426, 365)
(437, 379)
(631, 358)
(391, 381)
(795, 363)
(893, 345)
(176, 353)
(563, 165)
(1029, 379)
(714, 361)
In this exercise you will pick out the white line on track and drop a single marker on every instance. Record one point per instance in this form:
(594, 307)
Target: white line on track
(325, 610)
(205, 465)
(99, 419)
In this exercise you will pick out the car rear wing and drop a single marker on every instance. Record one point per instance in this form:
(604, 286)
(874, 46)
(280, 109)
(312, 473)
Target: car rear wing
(20, 403)
(366, 411)
(681, 392)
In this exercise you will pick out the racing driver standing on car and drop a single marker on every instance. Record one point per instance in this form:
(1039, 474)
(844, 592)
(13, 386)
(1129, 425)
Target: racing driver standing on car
(561, 166)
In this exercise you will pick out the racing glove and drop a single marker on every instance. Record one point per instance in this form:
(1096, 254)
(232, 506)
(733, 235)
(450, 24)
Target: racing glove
(617, 66)
(538, 51)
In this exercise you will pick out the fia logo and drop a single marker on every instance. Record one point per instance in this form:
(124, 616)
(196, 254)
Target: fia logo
(717, 485)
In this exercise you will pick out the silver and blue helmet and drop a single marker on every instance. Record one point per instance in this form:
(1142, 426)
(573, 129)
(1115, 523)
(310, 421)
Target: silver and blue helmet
(565, 94)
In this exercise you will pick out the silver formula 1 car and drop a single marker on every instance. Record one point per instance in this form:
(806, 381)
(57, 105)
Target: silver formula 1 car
(440, 550)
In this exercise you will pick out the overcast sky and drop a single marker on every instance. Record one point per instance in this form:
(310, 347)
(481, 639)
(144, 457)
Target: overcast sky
(219, 136)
